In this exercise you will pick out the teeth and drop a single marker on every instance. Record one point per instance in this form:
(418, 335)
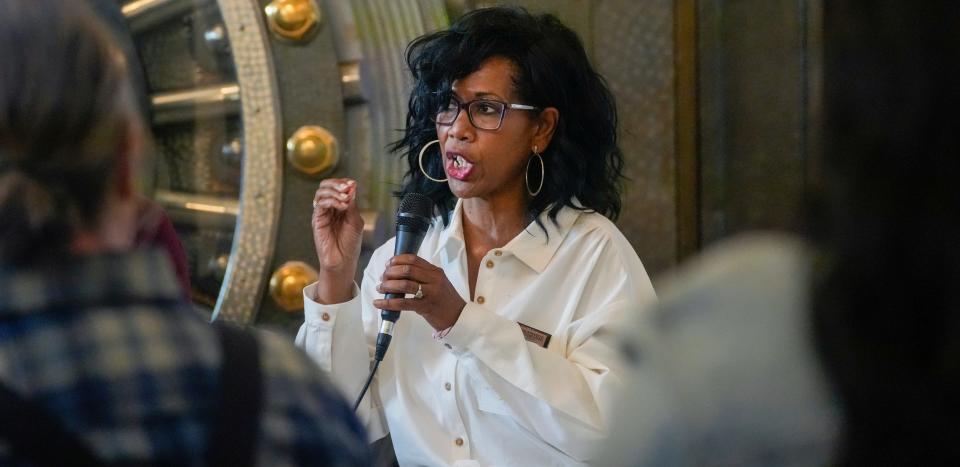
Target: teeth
(458, 161)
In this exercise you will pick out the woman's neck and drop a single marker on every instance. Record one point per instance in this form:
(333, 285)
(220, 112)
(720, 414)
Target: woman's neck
(489, 224)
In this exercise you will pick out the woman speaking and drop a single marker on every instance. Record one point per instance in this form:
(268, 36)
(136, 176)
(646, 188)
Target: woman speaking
(521, 279)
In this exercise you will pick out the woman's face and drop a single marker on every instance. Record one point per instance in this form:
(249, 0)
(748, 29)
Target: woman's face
(491, 164)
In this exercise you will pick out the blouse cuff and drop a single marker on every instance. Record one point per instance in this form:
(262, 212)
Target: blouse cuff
(317, 314)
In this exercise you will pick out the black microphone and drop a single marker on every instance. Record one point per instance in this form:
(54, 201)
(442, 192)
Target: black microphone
(413, 220)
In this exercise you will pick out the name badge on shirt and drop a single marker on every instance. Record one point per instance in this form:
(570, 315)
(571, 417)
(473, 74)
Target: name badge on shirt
(535, 335)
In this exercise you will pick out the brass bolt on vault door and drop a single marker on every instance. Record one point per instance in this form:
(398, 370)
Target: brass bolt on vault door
(313, 151)
(287, 283)
(292, 20)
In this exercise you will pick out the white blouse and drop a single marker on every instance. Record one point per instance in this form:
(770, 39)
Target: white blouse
(484, 394)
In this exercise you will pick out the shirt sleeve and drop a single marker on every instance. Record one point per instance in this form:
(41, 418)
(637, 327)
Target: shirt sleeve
(563, 396)
(341, 339)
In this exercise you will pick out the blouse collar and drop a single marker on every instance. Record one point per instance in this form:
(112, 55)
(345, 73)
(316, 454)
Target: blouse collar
(532, 245)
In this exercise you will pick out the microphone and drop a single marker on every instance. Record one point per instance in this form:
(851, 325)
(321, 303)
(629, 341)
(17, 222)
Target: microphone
(413, 220)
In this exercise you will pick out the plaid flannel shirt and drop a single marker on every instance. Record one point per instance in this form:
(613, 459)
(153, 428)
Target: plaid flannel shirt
(107, 345)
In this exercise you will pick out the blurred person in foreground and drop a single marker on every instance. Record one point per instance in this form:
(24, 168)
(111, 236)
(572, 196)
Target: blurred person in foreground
(154, 227)
(509, 357)
(839, 349)
(101, 359)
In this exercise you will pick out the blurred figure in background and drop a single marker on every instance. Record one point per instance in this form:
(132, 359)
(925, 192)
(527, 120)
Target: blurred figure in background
(840, 349)
(101, 359)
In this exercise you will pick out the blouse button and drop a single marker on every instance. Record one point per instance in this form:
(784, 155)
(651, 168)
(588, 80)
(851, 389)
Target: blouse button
(489, 264)
(325, 316)
(498, 253)
(446, 386)
(480, 300)
(459, 441)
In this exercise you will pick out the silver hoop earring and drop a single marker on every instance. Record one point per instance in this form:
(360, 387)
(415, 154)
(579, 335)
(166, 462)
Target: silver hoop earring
(542, 173)
(420, 160)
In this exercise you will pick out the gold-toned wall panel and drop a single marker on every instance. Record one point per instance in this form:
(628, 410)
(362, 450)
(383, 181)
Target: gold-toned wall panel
(633, 48)
(631, 43)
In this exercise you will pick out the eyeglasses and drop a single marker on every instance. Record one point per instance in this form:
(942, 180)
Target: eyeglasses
(484, 114)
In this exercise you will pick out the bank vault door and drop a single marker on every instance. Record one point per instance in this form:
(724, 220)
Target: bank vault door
(251, 104)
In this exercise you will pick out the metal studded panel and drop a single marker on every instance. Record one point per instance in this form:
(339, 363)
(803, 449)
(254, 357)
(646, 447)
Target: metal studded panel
(169, 66)
(193, 160)
(163, 57)
(260, 195)
(633, 49)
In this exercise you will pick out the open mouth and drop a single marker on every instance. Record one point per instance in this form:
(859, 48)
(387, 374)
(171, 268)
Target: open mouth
(459, 162)
(458, 167)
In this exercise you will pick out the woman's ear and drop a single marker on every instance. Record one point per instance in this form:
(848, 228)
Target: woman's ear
(546, 126)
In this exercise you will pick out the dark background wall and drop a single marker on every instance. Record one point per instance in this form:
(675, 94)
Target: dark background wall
(758, 62)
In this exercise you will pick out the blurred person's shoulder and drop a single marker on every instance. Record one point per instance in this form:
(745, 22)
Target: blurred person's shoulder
(306, 420)
(743, 270)
(731, 348)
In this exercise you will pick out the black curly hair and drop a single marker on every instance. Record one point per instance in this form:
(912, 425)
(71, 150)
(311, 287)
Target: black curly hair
(584, 164)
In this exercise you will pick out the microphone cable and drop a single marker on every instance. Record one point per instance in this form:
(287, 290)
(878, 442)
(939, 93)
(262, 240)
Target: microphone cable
(373, 371)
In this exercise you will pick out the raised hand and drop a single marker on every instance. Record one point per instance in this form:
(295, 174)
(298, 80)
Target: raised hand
(337, 237)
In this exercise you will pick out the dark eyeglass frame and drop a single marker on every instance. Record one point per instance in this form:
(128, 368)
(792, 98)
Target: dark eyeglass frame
(466, 105)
